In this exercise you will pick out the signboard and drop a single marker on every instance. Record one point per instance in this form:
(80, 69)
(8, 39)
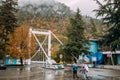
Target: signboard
(61, 56)
(94, 59)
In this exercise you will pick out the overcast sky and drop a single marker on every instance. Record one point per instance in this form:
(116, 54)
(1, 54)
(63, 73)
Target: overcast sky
(86, 6)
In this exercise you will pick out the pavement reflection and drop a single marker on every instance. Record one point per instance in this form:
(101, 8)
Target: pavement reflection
(36, 72)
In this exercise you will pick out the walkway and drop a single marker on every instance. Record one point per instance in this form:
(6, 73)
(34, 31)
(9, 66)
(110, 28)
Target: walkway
(36, 72)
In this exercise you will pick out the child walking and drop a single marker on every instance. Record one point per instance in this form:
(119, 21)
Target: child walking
(84, 73)
(75, 69)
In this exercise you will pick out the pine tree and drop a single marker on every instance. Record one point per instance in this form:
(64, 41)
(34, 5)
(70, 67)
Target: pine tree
(77, 43)
(8, 23)
(110, 13)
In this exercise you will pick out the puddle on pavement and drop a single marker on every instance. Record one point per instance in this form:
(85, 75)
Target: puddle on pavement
(101, 77)
(39, 73)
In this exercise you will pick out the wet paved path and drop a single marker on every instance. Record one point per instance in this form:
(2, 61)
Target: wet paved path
(36, 72)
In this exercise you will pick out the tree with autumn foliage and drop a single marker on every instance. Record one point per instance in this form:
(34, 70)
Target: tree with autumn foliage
(19, 44)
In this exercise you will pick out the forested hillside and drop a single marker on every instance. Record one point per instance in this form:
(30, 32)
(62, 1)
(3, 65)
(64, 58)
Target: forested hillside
(55, 16)
(44, 9)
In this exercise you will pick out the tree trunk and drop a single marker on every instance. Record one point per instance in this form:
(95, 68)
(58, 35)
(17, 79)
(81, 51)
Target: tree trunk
(21, 61)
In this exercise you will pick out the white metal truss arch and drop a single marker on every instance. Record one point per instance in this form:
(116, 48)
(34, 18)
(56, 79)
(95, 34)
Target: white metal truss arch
(48, 34)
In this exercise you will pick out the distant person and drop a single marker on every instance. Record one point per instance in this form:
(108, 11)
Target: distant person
(84, 70)
(75, 69)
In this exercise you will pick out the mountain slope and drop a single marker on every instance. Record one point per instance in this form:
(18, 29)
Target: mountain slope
(44, 9)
